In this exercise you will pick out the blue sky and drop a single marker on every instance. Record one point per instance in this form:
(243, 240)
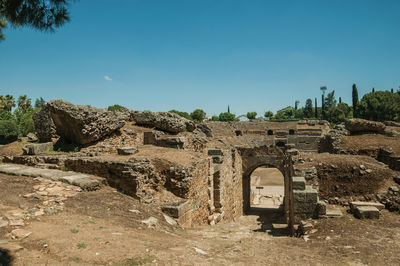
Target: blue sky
(186, 54)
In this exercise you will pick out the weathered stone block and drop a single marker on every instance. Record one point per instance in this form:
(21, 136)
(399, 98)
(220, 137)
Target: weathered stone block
(299, 183)
(176, 211)
(355, 204)
(307, 195)
(127, 150)
(305, 207)
(213, 152)
(37, 148)
(366, 212)
(321, 208)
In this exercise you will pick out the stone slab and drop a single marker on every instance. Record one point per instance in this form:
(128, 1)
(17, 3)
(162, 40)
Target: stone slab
(84, 181)
(366, 212)
(355, 204)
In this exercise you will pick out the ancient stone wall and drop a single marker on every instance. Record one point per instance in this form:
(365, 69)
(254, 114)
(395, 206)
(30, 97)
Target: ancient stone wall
(303, 135)
(227, 190)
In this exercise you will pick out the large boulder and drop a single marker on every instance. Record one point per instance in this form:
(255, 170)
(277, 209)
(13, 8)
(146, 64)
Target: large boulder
(44, 126)
(84, 124)
(357, 125)
(164, 121)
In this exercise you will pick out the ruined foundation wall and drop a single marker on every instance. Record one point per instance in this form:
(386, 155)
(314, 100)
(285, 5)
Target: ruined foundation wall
(230, 193)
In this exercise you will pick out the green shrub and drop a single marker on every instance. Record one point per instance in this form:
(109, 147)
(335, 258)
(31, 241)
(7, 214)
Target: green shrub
(8, 131)
(183, 114)
(116, 107)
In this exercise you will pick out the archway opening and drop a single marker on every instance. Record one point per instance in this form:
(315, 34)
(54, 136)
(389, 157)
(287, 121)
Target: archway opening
(280, 144)
(267, 189)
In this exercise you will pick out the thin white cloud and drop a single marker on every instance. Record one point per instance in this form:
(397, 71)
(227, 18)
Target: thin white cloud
(107, 78)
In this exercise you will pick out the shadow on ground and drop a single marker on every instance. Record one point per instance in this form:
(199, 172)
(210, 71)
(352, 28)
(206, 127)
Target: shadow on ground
(272, 221)
(5, 257)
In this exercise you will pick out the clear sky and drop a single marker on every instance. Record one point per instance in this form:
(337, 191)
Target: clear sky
(185, 54)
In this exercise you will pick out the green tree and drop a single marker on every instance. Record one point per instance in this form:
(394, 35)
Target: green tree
(285, 114)
(198, 115)
(225, 117)
(251, 115)
(308, 109)
(355, 100)
(24, 120)
(268, 114)
(39, 102)
(7, 102)
(8, 131)
(380, 106)
(316, 108)
(24, 102)
(183, 114)
(214, 118)
(38, 14)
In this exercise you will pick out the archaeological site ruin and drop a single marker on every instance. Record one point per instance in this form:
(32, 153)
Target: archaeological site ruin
(204, 174)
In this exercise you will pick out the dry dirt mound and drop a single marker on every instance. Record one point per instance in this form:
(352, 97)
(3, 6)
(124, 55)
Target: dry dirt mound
(349, 175)
(370, 142)
(13, 148)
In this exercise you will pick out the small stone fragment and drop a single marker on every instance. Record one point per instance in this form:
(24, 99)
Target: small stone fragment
(20, 233)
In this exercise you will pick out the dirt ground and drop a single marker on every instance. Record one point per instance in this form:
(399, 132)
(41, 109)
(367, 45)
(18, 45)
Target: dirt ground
(104, 228)
(371, 142)
(340, 175)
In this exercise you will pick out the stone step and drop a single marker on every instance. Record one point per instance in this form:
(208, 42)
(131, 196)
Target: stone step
(355, 204)
(366, 212)
(332, 212)
(298, 183)
(83, 181)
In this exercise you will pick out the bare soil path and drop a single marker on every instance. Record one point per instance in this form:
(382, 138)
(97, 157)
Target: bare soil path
(105, 227)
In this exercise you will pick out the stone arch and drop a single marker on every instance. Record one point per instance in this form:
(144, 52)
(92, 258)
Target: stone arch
(254, 157)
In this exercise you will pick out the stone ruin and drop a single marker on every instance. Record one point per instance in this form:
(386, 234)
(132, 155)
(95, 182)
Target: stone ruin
(195, 173)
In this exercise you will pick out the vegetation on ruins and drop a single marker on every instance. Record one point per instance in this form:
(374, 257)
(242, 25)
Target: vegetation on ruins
(116, 107)
(183, 114)
(37, 14)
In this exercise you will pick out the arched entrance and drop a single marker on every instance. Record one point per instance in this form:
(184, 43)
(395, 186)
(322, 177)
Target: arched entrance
(271, 157)
(267, 189)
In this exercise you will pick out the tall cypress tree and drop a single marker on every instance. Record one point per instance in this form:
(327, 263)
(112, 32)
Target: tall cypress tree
(229, 110)
(316, 108)
(355, 101)
(340, 99)
(373, 89)
(323, 107)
